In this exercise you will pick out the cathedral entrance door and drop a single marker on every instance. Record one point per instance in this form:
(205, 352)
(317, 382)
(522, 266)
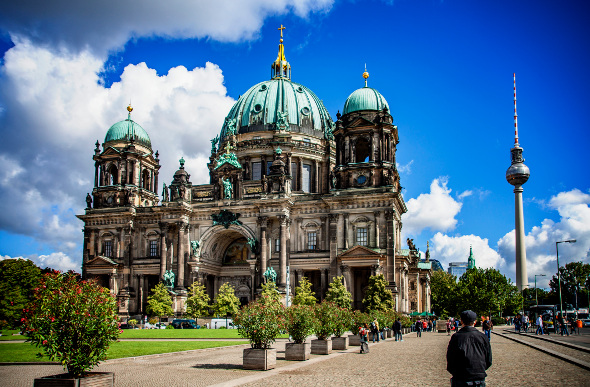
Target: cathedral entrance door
(360, 281)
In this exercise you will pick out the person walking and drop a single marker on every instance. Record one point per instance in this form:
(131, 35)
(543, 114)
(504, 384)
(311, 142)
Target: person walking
(397, 330)
(469, 354)
(449, 323)
(363, 331)
(418, 327)
(375, 329)
(487, 327)
(562, 325)
(539, 325)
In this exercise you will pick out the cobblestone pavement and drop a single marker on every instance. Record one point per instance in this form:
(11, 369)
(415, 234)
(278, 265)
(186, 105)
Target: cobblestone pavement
(413, 362)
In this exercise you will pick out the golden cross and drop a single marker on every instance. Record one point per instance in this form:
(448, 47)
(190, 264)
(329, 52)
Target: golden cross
(281, 29)
(228, 147)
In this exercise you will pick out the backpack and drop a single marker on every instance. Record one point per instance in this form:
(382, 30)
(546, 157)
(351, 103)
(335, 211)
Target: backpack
(373, 326)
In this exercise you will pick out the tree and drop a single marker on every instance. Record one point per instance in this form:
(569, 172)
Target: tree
(377, 296)
(197, 302)
(487, 291)
(303, 293)
(338, 294)
(160, 302)
(18, 280)
(226, 301)
(270, 293)
(443, 288)
(573, 280)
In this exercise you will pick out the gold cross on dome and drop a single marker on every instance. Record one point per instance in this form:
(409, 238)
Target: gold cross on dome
(281, 29)
(228, 147)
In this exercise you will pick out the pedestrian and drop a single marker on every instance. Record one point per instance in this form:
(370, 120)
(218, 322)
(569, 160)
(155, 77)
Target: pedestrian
(539, 325)
(449, 323)
(572, 322)
(486, 326)
(397, 330)
(363, 332)
(469, 354)
(562, 325)
(418, 327)
(375, 329)
(429, 328)
(517, 322)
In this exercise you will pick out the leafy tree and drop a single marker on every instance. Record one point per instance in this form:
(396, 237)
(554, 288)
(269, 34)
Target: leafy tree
(18, 280)
(338, 294)
(377, 296)
(303, 293)
(132, 322)
(160, 302)
(226, 301)
(573, 280)
(197, 302)
(443, 287)
(487, 291)
(270, 293)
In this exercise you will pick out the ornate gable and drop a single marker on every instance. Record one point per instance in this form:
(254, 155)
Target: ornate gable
(360, 256)
(100, 261)
(359, 122)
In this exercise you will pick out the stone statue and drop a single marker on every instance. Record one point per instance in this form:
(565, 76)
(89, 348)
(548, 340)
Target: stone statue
(169, 278)
(227, 188)
(195, 247)
(282, 121)
(230, 127)
(270, 275)
(411, 245)
(333, 180)
(214, 144)
(165, 196)
(181, 192)
(88, 201)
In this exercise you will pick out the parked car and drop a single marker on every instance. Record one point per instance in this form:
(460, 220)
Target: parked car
(184, 324)
(127, 326)
(217, 323)
(155, 326)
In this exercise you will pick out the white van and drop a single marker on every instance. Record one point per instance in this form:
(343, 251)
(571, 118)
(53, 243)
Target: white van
(217, 323)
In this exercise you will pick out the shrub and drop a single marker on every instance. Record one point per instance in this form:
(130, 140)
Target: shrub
(326, 315)
(169, 326)
(261, 322)
(73, 321)
(497, 320)
(357, 319)
(343, 318)
(300, 322)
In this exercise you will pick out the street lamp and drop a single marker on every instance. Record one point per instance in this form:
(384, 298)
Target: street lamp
(536, 296)
(559, 275)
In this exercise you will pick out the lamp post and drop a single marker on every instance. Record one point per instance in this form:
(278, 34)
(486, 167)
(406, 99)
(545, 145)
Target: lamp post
(559, 275)
(536, 296)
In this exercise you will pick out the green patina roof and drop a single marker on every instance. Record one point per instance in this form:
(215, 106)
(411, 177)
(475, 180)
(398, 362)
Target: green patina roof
(277, 101)
(126, 130)
(365, 98)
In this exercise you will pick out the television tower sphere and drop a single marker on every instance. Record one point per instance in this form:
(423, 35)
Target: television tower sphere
(518, 173)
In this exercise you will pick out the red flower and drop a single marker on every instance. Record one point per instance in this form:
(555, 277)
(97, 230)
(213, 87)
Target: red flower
(44, 342)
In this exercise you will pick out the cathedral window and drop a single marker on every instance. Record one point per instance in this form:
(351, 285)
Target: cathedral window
(153, 248)
(294, 176)
(145, 179)
(112, 175)
(277, 245)
(312, 238)
(257, 170)
(361, 236)
(306, 178)
(108, 249)
(362, 150)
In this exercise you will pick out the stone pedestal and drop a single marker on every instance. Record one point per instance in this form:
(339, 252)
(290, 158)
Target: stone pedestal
(259, 359)
(389, 333)
(321, 347)
(92, 379)
(298, 352)
(340, 343)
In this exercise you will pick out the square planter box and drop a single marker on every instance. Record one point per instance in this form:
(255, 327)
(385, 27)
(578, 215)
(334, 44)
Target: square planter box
(321, 347)
(298, 352)
(389, 333)
(354, 340)
(260, 359)
(340, 343)
(92, 379)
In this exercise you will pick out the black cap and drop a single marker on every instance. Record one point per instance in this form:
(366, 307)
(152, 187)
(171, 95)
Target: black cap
(468, 317)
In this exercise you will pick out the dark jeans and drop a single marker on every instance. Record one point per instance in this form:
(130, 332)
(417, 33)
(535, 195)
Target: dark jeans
(460, 383)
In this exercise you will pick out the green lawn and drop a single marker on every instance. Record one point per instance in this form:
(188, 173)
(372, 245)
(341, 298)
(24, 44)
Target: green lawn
(182, 334)
(26, 352)
(7, 335)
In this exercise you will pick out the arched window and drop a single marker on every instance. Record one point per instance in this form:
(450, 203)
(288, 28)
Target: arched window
(112, 175)
(145, 179)
(362, 150)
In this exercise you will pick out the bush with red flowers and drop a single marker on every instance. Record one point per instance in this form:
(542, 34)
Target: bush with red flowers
(73, 321)
(261, 321)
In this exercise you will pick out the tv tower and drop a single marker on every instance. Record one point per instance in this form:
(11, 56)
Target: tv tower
(517, 175)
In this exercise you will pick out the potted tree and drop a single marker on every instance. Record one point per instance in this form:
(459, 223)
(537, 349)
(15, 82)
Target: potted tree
(325, 314)
(357, 319)
(261, 322)
(300, 324)
(341, 324)
(73, 322)
(197, 302)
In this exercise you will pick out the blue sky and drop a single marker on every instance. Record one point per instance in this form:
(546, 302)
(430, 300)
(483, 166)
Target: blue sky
(69, 69)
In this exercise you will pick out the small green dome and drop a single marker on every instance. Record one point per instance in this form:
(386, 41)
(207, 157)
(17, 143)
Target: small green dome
(365, 98)
(276, 102)
(126, 130)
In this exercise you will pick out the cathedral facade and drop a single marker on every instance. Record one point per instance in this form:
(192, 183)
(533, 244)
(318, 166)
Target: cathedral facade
(289, 189)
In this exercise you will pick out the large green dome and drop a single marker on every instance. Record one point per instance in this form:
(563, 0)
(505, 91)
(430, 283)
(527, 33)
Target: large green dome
(266, 104)
(126, 130)
(365, 98)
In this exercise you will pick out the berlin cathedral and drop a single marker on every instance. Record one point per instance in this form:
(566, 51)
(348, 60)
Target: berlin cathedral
(289, 189)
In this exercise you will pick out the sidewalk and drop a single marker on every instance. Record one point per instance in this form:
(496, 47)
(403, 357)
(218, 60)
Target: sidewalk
(413, 362)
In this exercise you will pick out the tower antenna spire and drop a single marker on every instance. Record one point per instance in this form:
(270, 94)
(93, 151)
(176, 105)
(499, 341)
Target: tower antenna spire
(515, 115)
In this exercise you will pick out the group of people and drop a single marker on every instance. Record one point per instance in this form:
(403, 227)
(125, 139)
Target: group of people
(377, 333)
(423, 326)
(522, 323)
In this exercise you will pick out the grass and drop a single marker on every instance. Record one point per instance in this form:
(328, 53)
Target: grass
(26, 352)
(182, 334)
(7, 335)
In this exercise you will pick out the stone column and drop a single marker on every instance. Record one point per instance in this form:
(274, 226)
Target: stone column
(324, 241)
(96, 174)
(301, 236)
(323, 275)
(390, 246)
(180, 278)
(141, 293)
(263, 221)
(283, 253)
(345, 232)
(371, 232)
(377, 225)
(347, 279)
(113, 283)
(316, 174)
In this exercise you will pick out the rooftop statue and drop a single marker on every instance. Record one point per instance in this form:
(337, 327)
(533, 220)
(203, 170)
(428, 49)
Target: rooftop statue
(169, 278)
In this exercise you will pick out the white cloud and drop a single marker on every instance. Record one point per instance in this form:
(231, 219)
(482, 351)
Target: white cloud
(407, 168)
(574, 223)
(435, 210)
(464, 194)
(57, 261)
(447, 249)
(100, 26)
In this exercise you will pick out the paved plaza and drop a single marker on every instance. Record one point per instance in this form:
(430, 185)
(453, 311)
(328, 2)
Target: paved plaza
(413, 362)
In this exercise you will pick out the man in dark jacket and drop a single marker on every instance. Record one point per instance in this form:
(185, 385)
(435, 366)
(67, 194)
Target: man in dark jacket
(397, 330)
(469, 354)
